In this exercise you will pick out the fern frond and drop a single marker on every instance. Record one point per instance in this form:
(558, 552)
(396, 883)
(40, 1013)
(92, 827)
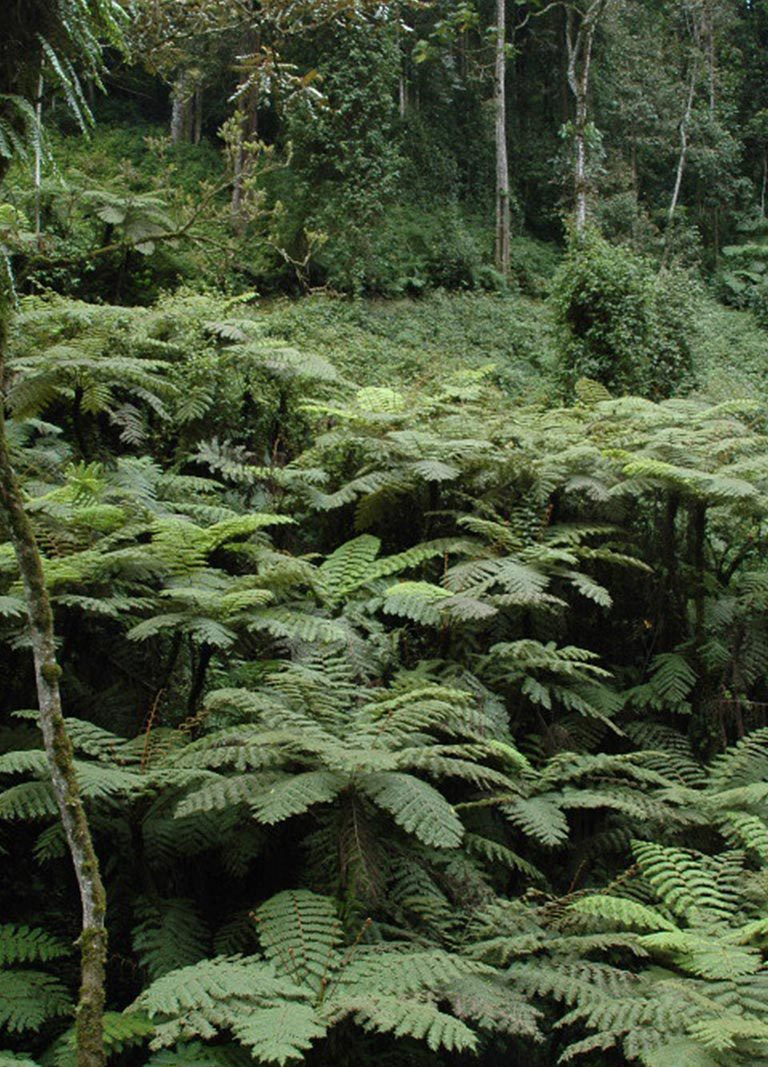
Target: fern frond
(420, 1020)
(28, 999)
(169, 934)
(300, 933)
(279, 1033)
(295, 795)
(23, 944)
(416, 806)
(540, 817)
(683, 883)
(623, 912)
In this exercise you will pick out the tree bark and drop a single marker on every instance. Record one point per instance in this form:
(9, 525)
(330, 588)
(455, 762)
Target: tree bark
(181, 98)
(249, 128)
(38, 167)
(58, 748)
(502, 161)
(579, 38)
(197, 132)
(684, 123)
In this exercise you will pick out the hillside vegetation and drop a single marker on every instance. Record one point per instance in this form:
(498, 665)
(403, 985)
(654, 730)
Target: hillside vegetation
(383, 512)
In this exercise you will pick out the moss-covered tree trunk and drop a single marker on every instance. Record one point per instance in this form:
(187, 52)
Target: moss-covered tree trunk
(58, 748)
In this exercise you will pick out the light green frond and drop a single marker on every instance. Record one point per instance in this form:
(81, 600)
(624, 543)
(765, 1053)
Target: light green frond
(280, 1033)
(623, 912)
(300, 933)
(539, 817)
(402, 1018)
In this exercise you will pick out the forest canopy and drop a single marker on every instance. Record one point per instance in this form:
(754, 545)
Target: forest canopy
(383, 508)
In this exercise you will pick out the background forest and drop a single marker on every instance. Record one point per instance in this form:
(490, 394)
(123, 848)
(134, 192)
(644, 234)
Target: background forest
(383, 506)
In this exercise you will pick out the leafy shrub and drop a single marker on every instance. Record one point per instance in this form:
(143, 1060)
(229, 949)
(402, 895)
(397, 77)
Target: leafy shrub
(533, 265)
(409, 249)
(728, 352)
(743, 277)
(620, 323)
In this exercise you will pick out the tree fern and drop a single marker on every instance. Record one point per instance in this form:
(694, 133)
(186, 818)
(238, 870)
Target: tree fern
(417, 807)
(309, 983)
(300, 932)
(169, 934)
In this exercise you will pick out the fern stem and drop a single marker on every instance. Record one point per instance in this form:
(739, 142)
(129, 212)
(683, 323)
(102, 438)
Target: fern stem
(58, 747)
(198, 680)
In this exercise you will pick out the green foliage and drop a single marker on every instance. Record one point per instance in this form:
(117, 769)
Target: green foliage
(169, 933)
(402, 670)
(415, 716)
(385, 343)
(741, 280)
(308, 983)
(343, 195)
(29, 998)
(620, 323)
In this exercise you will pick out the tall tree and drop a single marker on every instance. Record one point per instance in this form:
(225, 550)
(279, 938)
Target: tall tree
(502, 161)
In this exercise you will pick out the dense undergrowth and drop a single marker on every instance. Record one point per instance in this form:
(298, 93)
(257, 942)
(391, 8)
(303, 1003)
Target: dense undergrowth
(384, 413)
(416, 676)
(419, 712)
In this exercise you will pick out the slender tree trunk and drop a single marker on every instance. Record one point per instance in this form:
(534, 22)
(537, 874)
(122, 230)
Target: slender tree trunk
(697, 522)
(236, 203)
(58, 748)
(579, 38)
(765, 181)
(197, 132)
(402, 86)
(38, 171)
(669, 619)
(708, 29)
(681, 160)
(249, 128)
(580, 171)
(502, 162)
(198, 678)
(181, 96)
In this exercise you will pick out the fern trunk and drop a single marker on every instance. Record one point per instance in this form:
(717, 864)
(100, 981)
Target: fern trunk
(58, 748)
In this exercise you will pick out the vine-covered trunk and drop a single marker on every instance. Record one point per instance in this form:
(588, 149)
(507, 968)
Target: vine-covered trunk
(58, 748)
